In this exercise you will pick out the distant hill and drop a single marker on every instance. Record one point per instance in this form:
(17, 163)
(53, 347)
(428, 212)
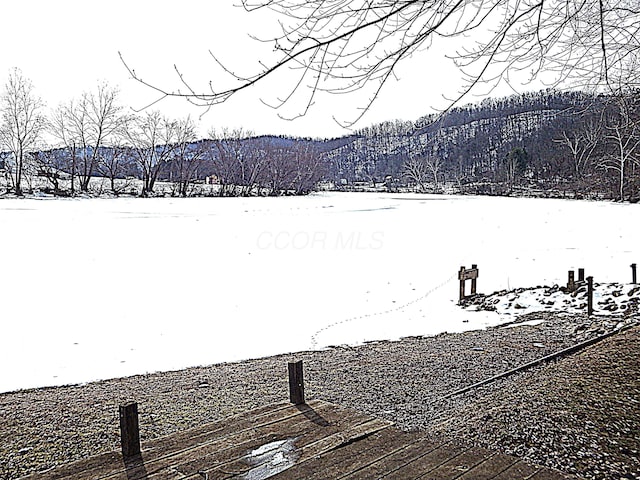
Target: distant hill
(470, 141)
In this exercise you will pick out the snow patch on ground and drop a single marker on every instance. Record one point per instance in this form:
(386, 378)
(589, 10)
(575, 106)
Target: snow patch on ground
(608, 299)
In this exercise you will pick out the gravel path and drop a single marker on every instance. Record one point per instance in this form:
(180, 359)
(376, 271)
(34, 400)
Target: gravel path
(563, 415)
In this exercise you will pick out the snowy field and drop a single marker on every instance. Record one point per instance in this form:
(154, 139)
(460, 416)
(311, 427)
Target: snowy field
(100, 288)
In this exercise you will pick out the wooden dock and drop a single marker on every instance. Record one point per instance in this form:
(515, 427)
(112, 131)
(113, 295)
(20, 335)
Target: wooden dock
(318, 440)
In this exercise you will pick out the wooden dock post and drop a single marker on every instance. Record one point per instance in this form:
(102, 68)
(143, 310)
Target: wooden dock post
(589, 296)
(129, 430)
(571, 282)
(634, 278)
(474, 279)
(296, 383)
(581, 274)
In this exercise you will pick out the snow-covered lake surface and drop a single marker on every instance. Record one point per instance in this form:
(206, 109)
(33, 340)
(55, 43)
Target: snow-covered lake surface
(100, 288)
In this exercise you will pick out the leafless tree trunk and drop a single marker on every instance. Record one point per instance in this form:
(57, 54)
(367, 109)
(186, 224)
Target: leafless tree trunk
(22, 124)
(84, 127)
(434, 164)
(49, 165)
(61, 127)
(308, 169)
(112, 164)
(622, 132)
(235, 164)
(415, 170)
(582, 144)
(187, 156)
(152, 138)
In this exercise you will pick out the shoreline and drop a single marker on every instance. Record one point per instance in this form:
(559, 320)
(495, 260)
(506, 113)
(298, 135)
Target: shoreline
(403, 381)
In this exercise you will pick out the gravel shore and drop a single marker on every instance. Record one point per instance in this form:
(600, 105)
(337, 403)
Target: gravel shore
(578, 414)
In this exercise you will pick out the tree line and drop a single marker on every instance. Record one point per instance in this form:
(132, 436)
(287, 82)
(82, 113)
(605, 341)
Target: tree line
(564, 142)
(547, 142)
(95, 140)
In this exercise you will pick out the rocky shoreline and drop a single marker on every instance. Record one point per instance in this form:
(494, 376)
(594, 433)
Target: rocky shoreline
(558, 414)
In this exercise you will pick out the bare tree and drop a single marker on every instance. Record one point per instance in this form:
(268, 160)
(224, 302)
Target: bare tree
(152, 138)
(113, 164)
(279, 173)
(187, 157)
(622, 133)
(582, 144)
(348, 45)
(97, 120)
(22, 124)
(83, 127)
(308, 168)
(415, 170)
(434, 164)
(50, 165)
(236, 164)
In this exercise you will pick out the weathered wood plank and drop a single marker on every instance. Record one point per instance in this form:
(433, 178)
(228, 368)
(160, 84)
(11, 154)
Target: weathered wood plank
(427, 462)
(414, 447)
(173, 445)
(468, 274)
(490, 468)
(111, 461)
(308, 444)
(233, 445)
(519, 469)
(346, 459)
(318, 440)
(460, 464)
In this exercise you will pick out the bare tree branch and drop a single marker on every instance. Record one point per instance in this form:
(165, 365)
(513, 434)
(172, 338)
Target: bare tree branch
(342, 46)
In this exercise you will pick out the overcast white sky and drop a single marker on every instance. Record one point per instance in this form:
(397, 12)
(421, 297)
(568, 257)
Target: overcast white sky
(68, 46)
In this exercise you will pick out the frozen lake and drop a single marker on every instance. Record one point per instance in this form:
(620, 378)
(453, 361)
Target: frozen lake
(101, 288)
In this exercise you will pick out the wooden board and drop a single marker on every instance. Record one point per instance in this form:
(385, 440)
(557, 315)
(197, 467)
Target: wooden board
(317, 440)
(468, 274)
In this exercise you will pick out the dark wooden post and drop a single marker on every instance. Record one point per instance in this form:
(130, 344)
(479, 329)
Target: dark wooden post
(296, 383)
(581, 274)
(634, 278)
(129, 430)
(571, 283)
(589, 295)
(462, 280)
(474, 280)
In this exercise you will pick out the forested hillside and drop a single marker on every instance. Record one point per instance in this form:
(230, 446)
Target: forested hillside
(568, 142)
(547, 143)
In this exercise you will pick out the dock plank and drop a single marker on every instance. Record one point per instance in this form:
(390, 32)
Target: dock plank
(488, 469)
(103, 464)
(412, 448)
(427, 462)
(309, 444)
(459, 465)
(346, 459)
(222, 450)
(316, 441)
